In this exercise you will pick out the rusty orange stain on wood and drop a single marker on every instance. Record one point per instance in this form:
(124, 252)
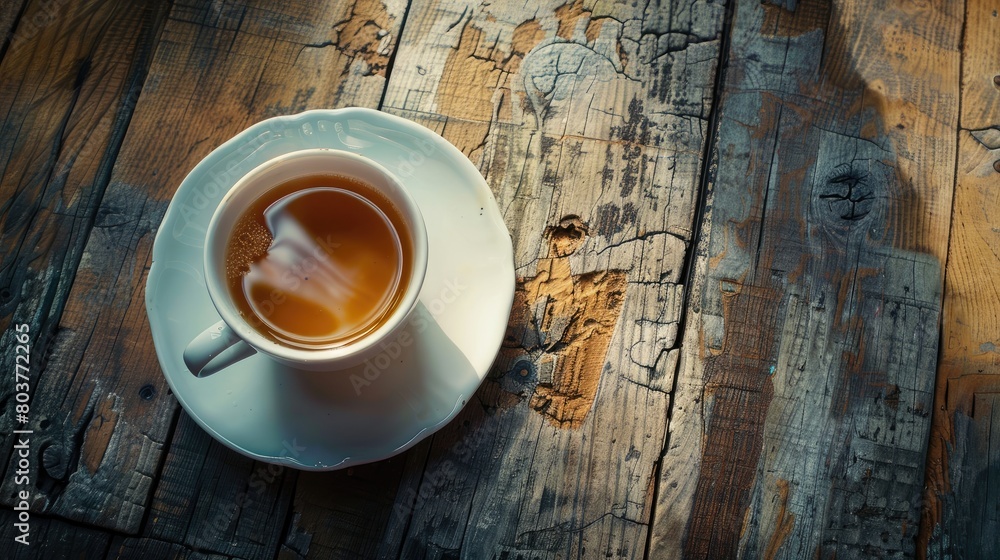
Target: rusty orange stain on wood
(969, 360)
(83, 402)
(471, 76)
(98, 434)
(577, 322)
(807, 16)
(715, 260)
(359, 35)
(468, 81)
(739, 382)
(568, 15)
(622, 55)
(849, 293)
(526, 36)
(783, 523)
(796, 273)
(593, 29)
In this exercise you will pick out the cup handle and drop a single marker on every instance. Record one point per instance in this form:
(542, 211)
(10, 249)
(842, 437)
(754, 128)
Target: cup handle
(217, 347)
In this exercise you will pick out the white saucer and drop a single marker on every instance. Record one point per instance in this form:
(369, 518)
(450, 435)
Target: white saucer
(332, 420)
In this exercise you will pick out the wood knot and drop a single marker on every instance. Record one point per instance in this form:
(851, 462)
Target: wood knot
(53, 462)
(848, 193)
(566, 237)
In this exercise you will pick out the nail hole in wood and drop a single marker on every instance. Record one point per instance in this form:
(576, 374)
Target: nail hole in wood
(523, 369)
(147, 392)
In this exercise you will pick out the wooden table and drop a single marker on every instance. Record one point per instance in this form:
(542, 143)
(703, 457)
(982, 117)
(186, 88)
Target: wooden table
(756, 247)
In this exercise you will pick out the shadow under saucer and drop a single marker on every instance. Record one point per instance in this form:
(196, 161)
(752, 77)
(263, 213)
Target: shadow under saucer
(335, 414)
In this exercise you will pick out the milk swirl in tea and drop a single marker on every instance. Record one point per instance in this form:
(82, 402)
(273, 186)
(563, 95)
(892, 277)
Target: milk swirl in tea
(318, 261)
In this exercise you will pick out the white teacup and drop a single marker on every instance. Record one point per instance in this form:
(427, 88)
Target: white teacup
(233, 338)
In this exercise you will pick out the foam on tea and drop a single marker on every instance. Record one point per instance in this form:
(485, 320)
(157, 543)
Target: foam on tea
(318, 261)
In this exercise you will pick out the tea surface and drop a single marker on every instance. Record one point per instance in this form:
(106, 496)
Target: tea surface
(318, 261)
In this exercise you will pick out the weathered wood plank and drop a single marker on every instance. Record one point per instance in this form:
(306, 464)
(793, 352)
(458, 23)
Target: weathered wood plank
(344, 514)
(958, 472)
(67, 92)
(218, 68)
(10, 12)
(588, 120)
(146, 549)
(804, 393)
(980, 85)
(50, 539)
(969, 515)
(209, 498)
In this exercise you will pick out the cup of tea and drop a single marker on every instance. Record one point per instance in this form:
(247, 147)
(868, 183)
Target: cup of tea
(312, 258)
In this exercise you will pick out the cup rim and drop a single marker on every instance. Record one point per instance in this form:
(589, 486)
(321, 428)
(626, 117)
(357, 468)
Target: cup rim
(312, 356)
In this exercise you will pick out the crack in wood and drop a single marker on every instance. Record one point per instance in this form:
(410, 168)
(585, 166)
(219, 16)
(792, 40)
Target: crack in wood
(850, 194)
(360, 35)
(553, 539)
(988, 137)
(573, 318)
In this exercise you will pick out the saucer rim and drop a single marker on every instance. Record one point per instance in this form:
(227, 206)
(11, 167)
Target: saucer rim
(239, 139)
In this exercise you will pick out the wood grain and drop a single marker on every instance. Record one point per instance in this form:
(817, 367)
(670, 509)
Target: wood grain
(217, 69)
(10, 13)
(588, 120)
(211, 499)
(67, 95)
(960, 519)
(144, 549)
(804, 392)
(796, 368)
(51, 539)
(344, 514)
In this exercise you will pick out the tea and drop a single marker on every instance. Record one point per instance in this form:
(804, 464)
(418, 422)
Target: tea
(318, 261)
